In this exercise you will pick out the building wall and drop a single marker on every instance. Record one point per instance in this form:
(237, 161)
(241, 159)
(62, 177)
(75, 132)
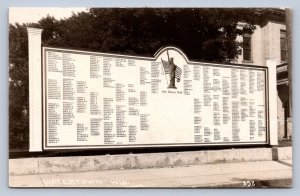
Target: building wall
(272, 40)
(265, 44)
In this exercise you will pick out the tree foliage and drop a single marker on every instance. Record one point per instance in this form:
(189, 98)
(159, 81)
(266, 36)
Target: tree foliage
(18, 85)
(203, 34)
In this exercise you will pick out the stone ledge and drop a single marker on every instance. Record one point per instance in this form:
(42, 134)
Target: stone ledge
(285, 153)
(139, 161)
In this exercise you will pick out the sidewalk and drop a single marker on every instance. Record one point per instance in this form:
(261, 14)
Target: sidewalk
(241, 174)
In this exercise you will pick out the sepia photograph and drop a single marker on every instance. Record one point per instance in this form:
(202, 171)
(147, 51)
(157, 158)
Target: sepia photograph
(150, 97)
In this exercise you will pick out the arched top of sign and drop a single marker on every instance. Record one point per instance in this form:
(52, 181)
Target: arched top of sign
(163, 50)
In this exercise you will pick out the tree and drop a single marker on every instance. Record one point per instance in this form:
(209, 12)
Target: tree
(203, 34)
(18, 85)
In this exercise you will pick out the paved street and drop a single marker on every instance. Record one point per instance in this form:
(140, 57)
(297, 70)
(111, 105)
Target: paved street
(242, 174)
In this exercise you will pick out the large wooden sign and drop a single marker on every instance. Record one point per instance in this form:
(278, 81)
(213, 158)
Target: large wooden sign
(100, 100)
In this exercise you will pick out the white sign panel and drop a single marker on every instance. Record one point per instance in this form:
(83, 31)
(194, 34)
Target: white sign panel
(99, 100)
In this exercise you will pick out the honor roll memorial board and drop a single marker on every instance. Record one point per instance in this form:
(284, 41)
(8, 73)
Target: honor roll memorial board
(100, 100)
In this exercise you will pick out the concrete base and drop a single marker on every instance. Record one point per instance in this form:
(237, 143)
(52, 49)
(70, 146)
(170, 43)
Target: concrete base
(141, 161)
(258, 174)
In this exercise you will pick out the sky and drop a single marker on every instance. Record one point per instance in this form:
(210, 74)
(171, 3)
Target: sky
(34, 14)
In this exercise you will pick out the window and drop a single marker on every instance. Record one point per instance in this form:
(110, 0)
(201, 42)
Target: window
(247, 47)
(283, 45)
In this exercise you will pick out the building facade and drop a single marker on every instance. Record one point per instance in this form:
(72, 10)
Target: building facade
(270, 41)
